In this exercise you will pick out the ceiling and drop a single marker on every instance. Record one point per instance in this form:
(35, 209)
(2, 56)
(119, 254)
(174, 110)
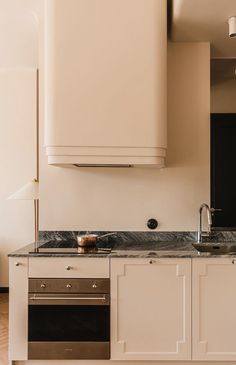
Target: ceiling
(204, 21)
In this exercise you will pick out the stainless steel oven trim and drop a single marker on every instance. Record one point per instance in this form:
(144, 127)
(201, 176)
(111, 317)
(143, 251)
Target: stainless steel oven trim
(68, 350)
(70, 285)
(68, 299)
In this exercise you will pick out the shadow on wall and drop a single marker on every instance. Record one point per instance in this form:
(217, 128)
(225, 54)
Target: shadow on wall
(223, 86)
(188, 113)
(223, 71)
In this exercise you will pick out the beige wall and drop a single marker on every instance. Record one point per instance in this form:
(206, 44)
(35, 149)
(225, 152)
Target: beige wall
(17, 160)
(223, 97)
(123, 199)
(19, 33)
(95, 198)
(18, 62)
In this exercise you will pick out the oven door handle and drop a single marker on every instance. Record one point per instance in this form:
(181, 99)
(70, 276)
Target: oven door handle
(67, 298)
(94, 300)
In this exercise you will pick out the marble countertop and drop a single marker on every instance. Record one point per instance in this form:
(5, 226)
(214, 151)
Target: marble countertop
(154, 254)
(130, 250)
(28, 251)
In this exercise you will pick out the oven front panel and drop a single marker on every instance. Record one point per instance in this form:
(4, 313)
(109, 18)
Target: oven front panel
(68, 350)
(69, 319)
(69, 323)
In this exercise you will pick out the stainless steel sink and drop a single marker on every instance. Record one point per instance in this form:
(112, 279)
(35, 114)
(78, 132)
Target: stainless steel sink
(215, 248)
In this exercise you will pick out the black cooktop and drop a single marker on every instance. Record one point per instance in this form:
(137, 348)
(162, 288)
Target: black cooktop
(70, 246)
(59, 244)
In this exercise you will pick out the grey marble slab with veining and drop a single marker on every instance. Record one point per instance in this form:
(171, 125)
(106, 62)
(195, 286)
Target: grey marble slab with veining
(123, 236)
(139, 236)
(131, 250)
(130, 244)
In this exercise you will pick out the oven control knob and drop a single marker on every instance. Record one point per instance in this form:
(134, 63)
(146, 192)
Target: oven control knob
(43, 285)
(94, 286)
(68, 286)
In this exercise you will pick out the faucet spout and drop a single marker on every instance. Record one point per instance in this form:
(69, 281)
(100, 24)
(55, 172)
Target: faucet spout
(200, 233)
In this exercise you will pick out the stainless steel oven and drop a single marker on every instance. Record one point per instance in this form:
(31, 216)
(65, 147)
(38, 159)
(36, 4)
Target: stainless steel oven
(69, 319)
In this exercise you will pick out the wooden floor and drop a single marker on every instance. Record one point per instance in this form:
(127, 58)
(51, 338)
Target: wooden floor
(3, 329)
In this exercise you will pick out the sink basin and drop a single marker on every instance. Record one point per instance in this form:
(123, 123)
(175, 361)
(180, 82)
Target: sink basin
(215, 248)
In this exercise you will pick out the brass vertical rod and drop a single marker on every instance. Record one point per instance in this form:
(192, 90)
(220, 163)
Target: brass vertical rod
(36, 223)
(37, 125)
(36, 202)
(35, 220)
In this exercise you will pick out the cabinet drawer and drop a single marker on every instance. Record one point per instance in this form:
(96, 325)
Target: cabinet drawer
(68, 267)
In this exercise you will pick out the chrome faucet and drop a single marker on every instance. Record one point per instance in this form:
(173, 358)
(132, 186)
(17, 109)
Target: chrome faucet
(200, 233)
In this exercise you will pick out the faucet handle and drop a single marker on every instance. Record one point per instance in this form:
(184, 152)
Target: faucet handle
(213, 210)
(206, 233)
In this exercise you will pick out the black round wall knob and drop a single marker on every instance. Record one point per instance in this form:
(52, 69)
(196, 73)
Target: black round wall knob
(152, 223)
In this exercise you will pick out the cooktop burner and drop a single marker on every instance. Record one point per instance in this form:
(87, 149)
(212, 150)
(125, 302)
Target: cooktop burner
(55, 246)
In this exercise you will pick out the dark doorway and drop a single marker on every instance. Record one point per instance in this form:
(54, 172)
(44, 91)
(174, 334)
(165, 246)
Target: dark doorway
(223, 169)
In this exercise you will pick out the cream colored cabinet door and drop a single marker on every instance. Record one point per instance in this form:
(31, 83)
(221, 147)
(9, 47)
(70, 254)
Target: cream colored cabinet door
(150, 309)
(214, 309)
(18, 308)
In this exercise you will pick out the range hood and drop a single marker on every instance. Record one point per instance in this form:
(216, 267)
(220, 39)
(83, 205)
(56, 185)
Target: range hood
(100, 157)
(105, 83)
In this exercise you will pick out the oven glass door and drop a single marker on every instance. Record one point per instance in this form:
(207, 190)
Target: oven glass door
(75, 322)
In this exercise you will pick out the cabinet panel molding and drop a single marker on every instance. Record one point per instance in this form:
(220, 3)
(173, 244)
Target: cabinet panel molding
(213, 309)
(151, 304)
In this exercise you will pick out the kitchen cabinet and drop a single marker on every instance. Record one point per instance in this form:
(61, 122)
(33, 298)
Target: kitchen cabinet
(213, 312)
(152, 314)
(105, 82)
(150, 309)
(18, 308)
